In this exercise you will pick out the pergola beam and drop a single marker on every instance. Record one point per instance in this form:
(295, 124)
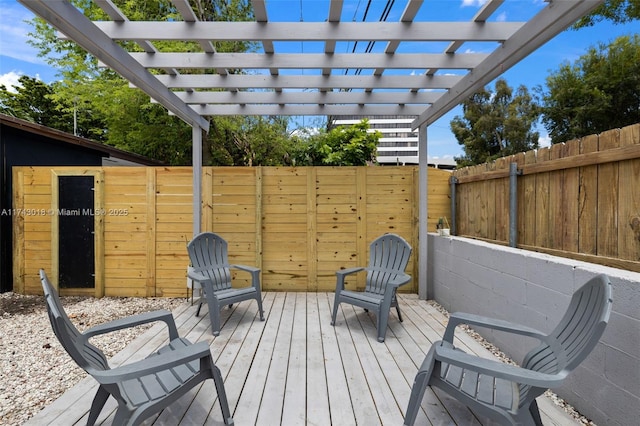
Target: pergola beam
(265, 81)
(310, 31)
(309, 60)
(308, 110)
(300, 97)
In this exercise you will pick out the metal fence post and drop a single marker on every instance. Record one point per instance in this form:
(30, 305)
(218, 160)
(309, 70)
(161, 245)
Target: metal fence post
(453, 181)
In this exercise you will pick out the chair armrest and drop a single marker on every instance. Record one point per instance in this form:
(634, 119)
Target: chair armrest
(470, 319)
(348, 271)
(447, 354)
(255, 274)
(393, 285)
(342, 273)
(401, 279)
(132, 321)
(246, 268)
(196, 276)
(153, 364)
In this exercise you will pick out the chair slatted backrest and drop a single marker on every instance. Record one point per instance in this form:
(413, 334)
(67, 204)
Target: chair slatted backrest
(577, 333)
(208, 253)
(388, 257)
(86, 355)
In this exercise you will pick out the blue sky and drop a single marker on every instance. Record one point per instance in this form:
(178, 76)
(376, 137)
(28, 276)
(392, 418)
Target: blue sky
(17, 57)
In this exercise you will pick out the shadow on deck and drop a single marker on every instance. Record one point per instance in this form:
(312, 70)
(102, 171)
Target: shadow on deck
(296, 369)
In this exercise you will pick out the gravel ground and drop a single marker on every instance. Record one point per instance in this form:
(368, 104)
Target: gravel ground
(35, 370)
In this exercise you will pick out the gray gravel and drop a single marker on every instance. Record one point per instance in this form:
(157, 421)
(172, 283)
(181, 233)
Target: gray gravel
(34, 368)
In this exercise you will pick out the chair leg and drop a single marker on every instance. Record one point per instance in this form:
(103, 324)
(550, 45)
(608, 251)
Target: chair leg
(199, 307)
(222, 394)
(214, 316)
(96, 406)
(419, 387)
(336, 302)
(383, 320)
(259, 300)
(398, 311)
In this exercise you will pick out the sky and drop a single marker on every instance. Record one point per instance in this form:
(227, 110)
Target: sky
(18, 58)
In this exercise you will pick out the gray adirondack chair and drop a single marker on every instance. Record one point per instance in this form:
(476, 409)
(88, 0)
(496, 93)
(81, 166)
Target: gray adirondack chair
(388, 258)
(208, 253)
(507, 393)
(141, 388)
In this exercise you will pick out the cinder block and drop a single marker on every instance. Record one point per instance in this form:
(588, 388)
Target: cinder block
(548, 302)
(626, 297)
(617, 370)
(512, 288)
(623, 333)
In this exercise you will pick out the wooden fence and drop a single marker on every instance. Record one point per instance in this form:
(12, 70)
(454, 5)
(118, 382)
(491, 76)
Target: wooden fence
(580, 199)
(299, 225)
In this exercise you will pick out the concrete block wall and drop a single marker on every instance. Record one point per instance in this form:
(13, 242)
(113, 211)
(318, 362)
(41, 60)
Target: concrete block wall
(534, 289)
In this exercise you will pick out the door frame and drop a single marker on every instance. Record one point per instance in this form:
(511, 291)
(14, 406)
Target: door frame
(98, 238)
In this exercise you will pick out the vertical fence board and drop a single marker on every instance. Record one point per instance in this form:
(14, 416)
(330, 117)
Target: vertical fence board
(570, 197)
(527, 209)
(501, 191)
(489, 202)
(588, 207)
(463, 204)
(151, 233)
(312, 228)
(556, 191)
(629, 199)
(607, 243)
(542, 210)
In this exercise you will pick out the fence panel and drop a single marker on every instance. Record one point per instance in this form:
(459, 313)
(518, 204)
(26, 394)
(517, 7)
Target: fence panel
(577, 199)
(299, 225)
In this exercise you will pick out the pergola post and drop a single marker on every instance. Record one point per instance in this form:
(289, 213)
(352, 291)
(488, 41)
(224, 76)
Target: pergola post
(197, 178)
(422, 211)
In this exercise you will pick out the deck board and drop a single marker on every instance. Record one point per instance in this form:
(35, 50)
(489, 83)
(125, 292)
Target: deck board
(294, 368)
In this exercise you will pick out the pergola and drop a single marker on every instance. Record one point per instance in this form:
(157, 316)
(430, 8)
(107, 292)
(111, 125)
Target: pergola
(409, 75)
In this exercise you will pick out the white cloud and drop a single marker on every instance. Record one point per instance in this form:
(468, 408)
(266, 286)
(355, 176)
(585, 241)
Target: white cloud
(478, 3)
(502, 17)
(9, 80)
(544, 141)
(14, 33)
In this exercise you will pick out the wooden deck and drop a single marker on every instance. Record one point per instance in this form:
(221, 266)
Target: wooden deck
(296, 369)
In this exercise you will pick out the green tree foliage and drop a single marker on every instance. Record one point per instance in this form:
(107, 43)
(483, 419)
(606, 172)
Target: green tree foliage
(35, 101)
(496, 124)
(598, 92)
(124, 117)
(616, 11)
(249, 141)
(31, 100)
(341, 146)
